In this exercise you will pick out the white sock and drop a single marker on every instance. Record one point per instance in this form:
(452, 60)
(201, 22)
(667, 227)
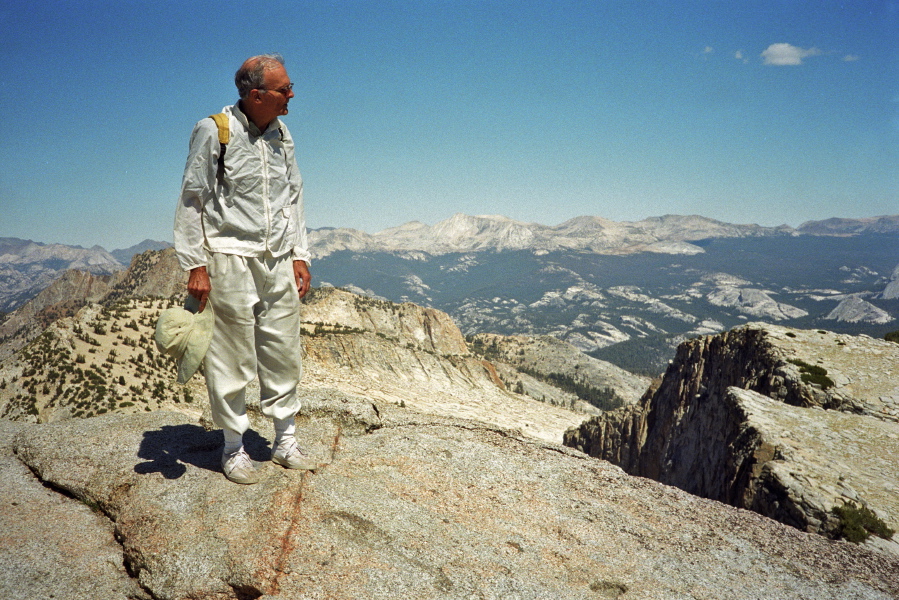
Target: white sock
(285, 430)
(233, 441)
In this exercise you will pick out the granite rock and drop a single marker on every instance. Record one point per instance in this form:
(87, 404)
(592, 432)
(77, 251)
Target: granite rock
(737, 419)
(408, 505)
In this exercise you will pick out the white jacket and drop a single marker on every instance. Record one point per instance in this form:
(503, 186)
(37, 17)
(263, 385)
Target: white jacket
(256, 208)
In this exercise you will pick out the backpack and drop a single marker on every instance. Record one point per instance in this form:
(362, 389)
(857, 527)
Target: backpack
(221, 120)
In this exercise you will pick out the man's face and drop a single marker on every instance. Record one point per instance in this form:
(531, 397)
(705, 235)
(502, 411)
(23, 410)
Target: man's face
(278, 93)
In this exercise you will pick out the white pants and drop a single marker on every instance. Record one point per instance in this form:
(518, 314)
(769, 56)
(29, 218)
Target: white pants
(257, 332)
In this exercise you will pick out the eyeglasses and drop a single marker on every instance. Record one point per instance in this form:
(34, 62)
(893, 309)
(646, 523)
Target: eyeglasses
(283, 91)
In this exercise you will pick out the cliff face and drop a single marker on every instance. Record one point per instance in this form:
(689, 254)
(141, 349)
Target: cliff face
(740, 417)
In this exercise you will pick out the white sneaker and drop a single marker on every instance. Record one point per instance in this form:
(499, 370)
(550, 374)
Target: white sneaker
(239, 468)
(291, 456)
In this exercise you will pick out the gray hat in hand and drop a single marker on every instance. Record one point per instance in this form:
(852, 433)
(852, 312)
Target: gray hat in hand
(184, 334)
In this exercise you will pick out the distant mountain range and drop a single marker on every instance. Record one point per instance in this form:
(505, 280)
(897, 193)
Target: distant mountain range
(624, 292)
(125, 255)
(836, 226)
(627, 292)
(669, 234)
(27, 267)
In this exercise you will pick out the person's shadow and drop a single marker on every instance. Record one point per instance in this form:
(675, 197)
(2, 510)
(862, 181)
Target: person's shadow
(167, 450)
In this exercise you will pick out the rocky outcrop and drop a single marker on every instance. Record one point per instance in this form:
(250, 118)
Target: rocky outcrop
(854, 309)
(891, 291)
(103, 359)
(739, 418)
(415, 356)
(754, 302)
(403, 506)
(51, 545)
(153, 273)
(407, 324)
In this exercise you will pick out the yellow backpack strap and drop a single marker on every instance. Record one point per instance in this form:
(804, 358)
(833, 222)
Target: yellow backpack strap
(221, 121)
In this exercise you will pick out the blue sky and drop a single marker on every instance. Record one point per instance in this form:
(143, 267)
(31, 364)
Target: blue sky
(764, 112)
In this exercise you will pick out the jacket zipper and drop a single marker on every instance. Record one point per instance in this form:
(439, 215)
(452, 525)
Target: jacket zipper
(266, 199)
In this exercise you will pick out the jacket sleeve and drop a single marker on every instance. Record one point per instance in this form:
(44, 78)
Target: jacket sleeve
(197, 188)
(301, 247)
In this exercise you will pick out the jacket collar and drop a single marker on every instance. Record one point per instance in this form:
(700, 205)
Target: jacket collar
(249, 126)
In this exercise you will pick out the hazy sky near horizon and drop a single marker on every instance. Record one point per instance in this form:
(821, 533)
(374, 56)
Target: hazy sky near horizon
(769, 112)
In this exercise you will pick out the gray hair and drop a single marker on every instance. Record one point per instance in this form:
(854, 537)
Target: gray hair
(251, 74)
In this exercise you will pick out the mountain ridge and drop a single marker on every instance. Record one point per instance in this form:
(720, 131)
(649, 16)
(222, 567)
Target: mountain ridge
(27, 267)
(466, 233)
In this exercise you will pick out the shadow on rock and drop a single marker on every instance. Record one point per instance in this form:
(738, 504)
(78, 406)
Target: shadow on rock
(168, 449)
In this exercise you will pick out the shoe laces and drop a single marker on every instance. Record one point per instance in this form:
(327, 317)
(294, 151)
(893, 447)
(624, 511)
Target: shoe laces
(288, 449)
(239, 459)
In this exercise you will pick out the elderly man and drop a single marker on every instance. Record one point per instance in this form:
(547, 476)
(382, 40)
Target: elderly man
(241, 232)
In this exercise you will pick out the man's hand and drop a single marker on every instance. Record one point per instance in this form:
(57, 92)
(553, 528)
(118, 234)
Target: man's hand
(199, 286)
(301, 274)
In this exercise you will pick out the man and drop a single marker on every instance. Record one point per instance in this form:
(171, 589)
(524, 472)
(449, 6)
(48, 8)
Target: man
(241, 232)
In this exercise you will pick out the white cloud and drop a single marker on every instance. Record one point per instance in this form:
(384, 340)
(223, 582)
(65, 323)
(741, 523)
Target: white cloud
(739, 55)
(851, 58)
(708, 50)
(787, 54)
